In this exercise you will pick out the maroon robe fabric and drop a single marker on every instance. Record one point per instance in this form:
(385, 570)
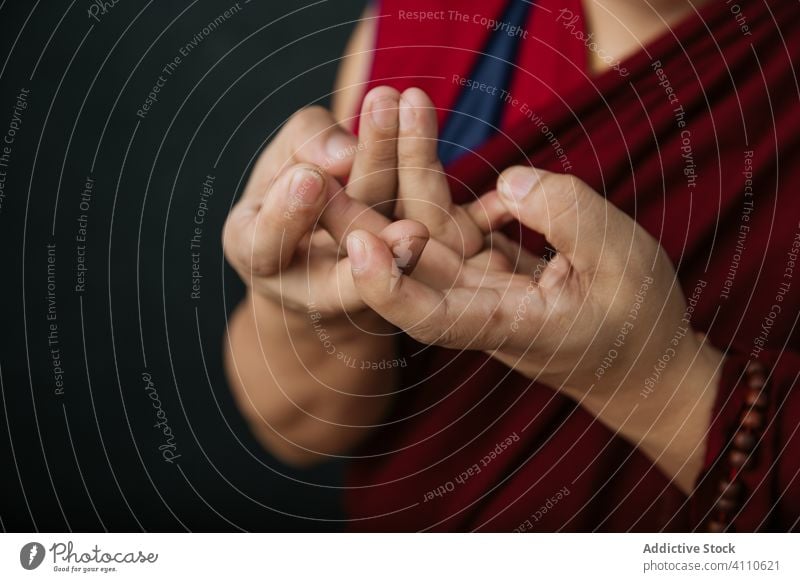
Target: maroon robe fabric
(700, 143)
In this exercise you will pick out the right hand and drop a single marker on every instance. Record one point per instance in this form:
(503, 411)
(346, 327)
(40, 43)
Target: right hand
(273, 238)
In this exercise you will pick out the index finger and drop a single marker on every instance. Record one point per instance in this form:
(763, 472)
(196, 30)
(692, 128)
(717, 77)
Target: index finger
(310, 136)
(466, 318)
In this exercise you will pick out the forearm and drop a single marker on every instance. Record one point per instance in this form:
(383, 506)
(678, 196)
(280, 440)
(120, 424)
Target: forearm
(669, 423)
(309, 386)
(354, 70)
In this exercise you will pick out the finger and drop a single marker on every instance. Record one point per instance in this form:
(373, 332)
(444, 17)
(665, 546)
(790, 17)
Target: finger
(423, 191)
(310, 136)
(343, 214)
(460, 318)
(521, 260)
(374, 176)
(406, 238)
(488, 212)
(261, 236)
(575, 219)
(491, 260)
(439, 266)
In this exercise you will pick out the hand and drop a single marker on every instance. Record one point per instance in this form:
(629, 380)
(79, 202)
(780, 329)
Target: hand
(272, 236)
(275, 242)
(558, 323)
(409, 182)
(423, 193)
(284, 239)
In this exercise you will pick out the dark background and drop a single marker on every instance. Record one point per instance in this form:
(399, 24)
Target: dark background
(89, 459)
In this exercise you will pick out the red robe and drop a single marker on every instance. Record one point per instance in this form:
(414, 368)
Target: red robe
(698, 139)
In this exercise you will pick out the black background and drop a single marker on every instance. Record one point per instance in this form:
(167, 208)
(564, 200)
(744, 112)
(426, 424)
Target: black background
(89, 459)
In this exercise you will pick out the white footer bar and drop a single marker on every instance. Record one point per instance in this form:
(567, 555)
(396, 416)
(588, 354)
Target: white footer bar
(389, 557)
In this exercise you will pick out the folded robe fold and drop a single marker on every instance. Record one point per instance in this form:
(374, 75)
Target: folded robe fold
(699, 141)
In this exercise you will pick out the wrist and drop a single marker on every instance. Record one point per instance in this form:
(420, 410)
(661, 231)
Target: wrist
(688, 387)
(297, 319)
(679, 417)
(667, 419)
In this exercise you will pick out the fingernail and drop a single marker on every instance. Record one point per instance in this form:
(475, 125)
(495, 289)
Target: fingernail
(384, 113)
(306, 185)
(357, 251)
(407, 115)
(340, 146)
(517, 183)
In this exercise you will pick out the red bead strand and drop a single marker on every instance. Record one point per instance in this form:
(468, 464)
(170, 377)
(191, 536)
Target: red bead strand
(742, 451)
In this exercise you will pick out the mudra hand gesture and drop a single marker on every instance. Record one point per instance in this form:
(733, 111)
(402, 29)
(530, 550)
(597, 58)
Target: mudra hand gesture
(443, 274)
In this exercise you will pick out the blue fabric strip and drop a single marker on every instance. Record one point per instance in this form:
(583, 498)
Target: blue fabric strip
(477, 111)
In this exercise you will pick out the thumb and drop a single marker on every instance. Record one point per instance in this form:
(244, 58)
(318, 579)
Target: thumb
(575, 219)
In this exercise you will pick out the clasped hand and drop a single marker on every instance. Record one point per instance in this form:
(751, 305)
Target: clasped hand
(393, 241)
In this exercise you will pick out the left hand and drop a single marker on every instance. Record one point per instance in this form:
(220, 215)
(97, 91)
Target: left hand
(556, 324)
(609, 280)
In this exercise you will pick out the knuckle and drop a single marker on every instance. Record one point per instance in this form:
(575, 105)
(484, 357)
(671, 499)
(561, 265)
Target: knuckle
(440, 222)
(272, 219)
(417, 153)
(495, 317)
(305, 119)
(262, 268)
(232, 254)
(427, 333)
(450, 337)
(229, 234)
(382, 152)
(439, 328)
(559, 197)
(289, 211)
(295, 213)
(233, 237)
(259, 264)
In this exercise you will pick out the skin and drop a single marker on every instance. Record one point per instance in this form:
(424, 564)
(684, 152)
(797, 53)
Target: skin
(622, 27)
(462, 286)
(285, 239)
